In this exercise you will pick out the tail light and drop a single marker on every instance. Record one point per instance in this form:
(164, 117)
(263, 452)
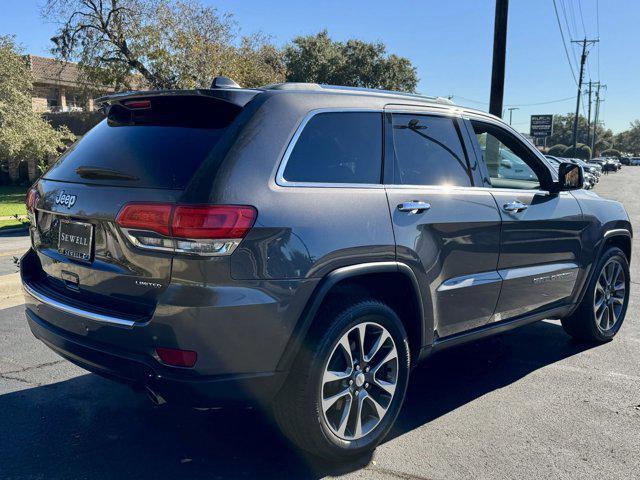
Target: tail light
(192, 229)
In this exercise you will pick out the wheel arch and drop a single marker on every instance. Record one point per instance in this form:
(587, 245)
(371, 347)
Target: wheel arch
(380, 280)
(615, 237)
(620, 238)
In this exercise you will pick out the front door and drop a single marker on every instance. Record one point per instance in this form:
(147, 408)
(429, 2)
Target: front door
(445, 229)
(540, 242)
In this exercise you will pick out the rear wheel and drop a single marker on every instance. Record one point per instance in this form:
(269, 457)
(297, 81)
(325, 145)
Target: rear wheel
(346, 388)
(603, 308)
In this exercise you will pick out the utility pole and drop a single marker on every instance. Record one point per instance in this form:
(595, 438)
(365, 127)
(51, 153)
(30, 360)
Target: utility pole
(511, 109)
(499, 52)
(583, 59)
(597, 114)
(589, 115)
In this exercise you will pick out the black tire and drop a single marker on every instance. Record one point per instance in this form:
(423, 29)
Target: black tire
(583, 324)
(298, 407)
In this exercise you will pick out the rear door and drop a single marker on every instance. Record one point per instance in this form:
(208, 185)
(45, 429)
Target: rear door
(445, 229)
(145, 152)
(540, 244)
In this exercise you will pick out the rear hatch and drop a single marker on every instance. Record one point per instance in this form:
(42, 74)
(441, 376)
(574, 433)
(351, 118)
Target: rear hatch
(145, 152)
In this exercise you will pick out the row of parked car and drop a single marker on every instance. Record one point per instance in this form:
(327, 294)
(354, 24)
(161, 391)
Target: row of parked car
(630, 161)
(592, 168)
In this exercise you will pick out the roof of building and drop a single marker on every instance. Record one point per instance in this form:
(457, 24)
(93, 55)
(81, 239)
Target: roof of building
(50, 70)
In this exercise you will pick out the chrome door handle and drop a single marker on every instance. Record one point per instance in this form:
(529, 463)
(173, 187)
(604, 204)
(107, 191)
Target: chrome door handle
(414, 207)
(515, 207)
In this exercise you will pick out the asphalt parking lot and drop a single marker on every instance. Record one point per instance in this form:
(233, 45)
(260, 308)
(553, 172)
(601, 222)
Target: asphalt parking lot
(527, 404)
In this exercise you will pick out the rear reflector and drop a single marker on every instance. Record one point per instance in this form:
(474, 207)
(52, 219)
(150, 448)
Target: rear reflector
(177, 358)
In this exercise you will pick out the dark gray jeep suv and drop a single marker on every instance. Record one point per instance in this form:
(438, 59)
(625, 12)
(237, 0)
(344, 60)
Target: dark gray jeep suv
(300, 247)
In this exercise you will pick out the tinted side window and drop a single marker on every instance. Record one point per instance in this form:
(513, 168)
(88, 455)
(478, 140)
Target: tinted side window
(338, 147)
(507, 159)
(428, 151)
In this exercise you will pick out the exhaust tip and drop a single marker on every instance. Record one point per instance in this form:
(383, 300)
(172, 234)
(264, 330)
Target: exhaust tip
(155, 397)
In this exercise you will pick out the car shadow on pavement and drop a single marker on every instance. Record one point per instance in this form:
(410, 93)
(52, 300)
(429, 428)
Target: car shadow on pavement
(89, 427)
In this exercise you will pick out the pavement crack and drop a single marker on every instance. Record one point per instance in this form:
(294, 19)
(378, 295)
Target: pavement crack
(18, 379)
(402, 475)
(33, 367)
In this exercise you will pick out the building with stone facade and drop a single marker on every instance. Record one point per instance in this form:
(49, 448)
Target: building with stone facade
(57, 86)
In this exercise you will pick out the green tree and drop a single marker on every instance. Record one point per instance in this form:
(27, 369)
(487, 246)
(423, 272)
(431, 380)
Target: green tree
(557, 150)
(563, 132)
(629, 140)
(24, 134)
(318, 58)
(163, 44)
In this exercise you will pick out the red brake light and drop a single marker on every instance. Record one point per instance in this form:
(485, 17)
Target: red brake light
(213, 221)
(177, 358)
(146, 216)
(32, 198)
(138, 104)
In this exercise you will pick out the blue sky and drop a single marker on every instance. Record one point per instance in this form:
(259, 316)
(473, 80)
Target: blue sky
(450, 44)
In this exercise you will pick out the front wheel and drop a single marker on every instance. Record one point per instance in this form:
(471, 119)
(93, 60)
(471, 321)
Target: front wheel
(601, 313)
(348, 383)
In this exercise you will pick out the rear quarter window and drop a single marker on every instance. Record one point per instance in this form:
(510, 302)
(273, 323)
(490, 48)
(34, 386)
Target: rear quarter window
(338, 147)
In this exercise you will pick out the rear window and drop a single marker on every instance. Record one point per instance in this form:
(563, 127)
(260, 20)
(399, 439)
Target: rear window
(338, 147)
(157, 147)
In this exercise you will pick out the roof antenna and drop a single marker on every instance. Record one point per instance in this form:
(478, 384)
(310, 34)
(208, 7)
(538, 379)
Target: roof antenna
(224, 82)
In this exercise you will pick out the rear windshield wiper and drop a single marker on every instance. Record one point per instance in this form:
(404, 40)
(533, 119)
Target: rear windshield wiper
(99, 173)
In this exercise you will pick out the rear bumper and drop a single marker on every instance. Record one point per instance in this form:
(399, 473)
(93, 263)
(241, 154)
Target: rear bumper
(139, 370)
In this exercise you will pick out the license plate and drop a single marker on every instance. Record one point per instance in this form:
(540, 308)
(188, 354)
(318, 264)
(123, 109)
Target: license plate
(76, 240)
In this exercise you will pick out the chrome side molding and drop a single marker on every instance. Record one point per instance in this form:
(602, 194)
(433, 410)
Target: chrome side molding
(95, 317)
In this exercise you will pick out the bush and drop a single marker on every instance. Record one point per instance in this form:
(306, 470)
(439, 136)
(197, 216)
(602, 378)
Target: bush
(581, 151)
(557, 150)
(612, 152)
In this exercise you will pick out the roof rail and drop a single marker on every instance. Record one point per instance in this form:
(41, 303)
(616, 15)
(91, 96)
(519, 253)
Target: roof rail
(363, 90)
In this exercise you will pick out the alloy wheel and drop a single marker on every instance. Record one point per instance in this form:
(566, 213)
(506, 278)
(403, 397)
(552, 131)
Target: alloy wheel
(610, 295)
(359, 381)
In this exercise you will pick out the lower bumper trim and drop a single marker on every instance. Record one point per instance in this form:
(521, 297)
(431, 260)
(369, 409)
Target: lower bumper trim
(254, 389)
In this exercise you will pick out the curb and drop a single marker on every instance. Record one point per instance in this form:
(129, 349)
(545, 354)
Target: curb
(14, 230)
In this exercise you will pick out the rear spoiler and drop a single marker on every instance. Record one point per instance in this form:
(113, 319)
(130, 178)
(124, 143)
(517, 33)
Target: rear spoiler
(235, 96)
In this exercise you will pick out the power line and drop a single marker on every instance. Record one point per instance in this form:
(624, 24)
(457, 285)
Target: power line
(584, 30)
(572, 13)
(598, 33)
(517, 104)
(569, 32)
(564, 43)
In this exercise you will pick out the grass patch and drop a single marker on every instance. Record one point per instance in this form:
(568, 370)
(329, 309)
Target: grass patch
(12, 201)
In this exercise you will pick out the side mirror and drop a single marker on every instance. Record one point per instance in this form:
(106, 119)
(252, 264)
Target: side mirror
(570, 177)
(506, 164)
